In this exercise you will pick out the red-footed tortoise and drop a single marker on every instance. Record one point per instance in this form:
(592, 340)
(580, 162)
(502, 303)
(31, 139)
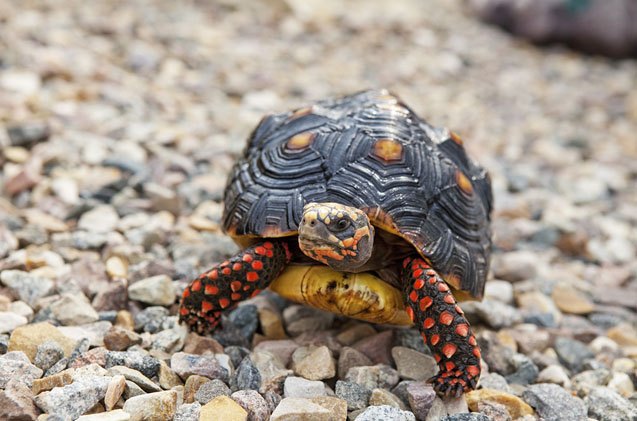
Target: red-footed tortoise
(358, 206)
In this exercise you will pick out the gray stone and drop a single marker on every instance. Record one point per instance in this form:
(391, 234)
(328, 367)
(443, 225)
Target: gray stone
(210, 390)
(188, 412)
(151, 319)
(553, 403)
(16, 365)
(203, 365)
(253, 403)
(75, 399)
(354, 394)
(47, 354)
(473, 416)
(28, 287)
(605, 404)
(298, 387)
(413, 365)
(143, 363)
(134, 376)
(385, 412)
(525, 370)
(246, 376)
(349, 358)
(72, 310)
(588, 380)
(372, 377)
(29, 133)
(300, 409)
(572, 353)
(420, 396)
(316, 364)
(246, 319)
(273, 373)
(10, 320)
(156, 290)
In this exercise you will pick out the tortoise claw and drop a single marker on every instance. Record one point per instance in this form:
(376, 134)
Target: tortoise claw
(453, 386)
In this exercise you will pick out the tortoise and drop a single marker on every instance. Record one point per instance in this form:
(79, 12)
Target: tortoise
(358, 206)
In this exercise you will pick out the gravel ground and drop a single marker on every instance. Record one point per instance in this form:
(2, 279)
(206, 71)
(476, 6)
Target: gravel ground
(120, 121)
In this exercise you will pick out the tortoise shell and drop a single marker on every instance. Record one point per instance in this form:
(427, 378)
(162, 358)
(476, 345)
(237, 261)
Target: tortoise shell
(371, 151)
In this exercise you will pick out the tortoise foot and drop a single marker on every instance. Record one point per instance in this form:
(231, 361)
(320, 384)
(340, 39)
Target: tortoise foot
(443, 328)
(222, 287)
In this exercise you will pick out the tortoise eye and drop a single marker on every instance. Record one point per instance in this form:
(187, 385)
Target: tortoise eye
(341, 225)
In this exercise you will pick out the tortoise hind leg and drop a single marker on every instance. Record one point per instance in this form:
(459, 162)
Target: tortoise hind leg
(443, 327)
(241, 277)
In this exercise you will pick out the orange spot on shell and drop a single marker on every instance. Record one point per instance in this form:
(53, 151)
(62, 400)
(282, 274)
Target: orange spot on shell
(419, 284)
(446, 318)
(388, 150)
(417, 273)
(268, 245)
(206, 306)
(235, 296)
(459, 310)
(257, 265)
(269, 253)
(437, 358)
(196, 286)
(449, 299)
(449, 349)
(472, 341)
(224, 302)
(252, 276)
(226, 271)
(260, 250)
(429, 323)
(211, 290)
(255, 293)
(186, 293)
(435, 338)
(184, 311)
(463, 182)
(213, 274)
(413, 296)
(237, 267)
(425, 303)
(300, 141)
(235, 285)
(449, 365)
(247, 258)
(462, 329)
(456, 138)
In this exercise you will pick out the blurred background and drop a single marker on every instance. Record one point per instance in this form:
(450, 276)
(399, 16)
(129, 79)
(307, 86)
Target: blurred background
(120, 120)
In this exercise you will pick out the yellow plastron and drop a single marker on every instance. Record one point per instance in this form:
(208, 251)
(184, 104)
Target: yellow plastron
(358, 295)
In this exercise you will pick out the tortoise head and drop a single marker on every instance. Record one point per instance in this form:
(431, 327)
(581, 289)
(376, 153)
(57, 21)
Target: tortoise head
(336, 235)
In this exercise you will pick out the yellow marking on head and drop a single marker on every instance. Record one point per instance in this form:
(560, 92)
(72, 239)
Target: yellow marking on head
(300, 141)
(388, 149)
(456, 138)
(322, 213)
(339, 215)
(327, 220)
(463, 182)
(360, 233)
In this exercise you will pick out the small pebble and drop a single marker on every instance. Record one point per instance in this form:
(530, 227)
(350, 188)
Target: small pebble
(158, 405)
(385, 412)
(553, 403)
(298, 387)
(222, 408)
(156, 290)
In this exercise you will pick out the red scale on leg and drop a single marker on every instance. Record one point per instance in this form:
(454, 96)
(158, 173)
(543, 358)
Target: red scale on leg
(436, 313)
(236, 279)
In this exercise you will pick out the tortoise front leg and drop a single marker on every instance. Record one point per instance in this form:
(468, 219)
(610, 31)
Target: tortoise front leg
(443, 327)
(241, 277)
